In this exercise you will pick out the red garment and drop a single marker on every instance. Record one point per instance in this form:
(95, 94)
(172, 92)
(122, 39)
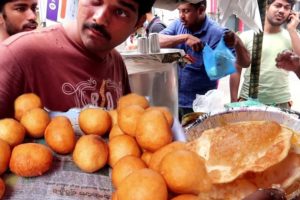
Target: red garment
(62, 73)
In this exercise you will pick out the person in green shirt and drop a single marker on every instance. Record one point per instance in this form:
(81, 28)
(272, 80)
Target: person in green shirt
(273, 82)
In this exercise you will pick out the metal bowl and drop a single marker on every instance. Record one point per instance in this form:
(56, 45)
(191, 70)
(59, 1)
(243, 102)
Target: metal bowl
(211, 120)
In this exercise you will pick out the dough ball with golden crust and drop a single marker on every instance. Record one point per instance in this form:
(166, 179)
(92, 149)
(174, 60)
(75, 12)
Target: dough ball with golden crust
(2, 188)
(90, 153)
(5, 156)
(26, 102)
(94, 121)
(124, 167)
(132, 99)
(35, 122)
(144, 184)
(12, 131)
(121, 146)
(60, 135)
(30, 159)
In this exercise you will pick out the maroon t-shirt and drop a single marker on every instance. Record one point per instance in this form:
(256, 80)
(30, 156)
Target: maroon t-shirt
(63, 74)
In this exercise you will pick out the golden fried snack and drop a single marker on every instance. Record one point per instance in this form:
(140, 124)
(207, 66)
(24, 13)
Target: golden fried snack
(128, 118)
(5, 156)
(124, 167)
(158, 155)
(121, 146)
(235, 190)
(144, 184)
(283, 174)
(236, 148)
(2, 188)
(115, 131)
(30, 159)
(60, 135)
(184, 172)
(94, 121)
(90, 153)
(35, 122)
(132, 99)
(167, 113)
(12, 131)
(153, 130)
(186, 197)
(26, 102)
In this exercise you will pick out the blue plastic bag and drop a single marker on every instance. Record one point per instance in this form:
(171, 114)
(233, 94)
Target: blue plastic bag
(218, 62)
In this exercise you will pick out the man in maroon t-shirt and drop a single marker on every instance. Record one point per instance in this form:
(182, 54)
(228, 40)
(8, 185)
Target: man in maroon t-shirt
(17, 16)
(72, 65)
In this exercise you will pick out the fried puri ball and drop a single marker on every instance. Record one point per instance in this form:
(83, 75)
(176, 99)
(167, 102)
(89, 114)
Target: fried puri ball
(60, 135)
(145, 184)
(12, 131)
(5, 156)
(90, 153)
(124, 167)
(94, 121)
(30, 159)
(26, 102)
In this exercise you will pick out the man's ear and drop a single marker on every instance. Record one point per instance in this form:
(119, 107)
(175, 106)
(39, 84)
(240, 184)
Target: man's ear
(201, 9)
(140, 22)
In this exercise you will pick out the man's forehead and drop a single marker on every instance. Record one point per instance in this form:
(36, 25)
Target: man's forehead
(284, 2)
(23, 1)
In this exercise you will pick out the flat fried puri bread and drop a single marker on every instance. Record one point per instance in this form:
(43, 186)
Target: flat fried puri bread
(235, 190)
(284, 174)
(240, 147)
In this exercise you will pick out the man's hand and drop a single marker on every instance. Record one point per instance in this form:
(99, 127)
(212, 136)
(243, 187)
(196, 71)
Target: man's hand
(293, 21)
(288, 60)
(230, 39)
(194, 42)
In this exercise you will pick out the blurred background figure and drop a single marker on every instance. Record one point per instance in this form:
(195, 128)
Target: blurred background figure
(17, 16)
(190, 32)
(154, 24)
(273, 82)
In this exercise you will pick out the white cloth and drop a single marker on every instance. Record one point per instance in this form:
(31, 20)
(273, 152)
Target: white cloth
(246, 10)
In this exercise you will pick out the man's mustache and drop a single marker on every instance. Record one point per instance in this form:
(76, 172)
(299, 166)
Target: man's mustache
(98, 28)
(31, 24)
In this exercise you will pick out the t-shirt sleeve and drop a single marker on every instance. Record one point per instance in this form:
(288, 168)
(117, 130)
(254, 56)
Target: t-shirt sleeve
(158, 27)
(10, 82)
(170, 30)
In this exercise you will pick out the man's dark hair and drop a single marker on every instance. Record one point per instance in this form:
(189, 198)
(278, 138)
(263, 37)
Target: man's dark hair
(144, 6)
(291, 2)
(2, 3)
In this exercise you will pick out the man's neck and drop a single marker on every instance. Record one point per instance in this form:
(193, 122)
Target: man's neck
(268, 28)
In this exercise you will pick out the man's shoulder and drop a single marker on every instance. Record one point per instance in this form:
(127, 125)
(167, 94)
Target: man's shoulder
(31, 37)
(212, 26)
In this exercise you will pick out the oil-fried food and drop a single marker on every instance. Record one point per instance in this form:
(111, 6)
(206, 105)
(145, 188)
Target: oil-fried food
(30, 159)
(237, 148)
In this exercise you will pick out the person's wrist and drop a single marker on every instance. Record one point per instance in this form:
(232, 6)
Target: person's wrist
(186, 37)
(292, 30)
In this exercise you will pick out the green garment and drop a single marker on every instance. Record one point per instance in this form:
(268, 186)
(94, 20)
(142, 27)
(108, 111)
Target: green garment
(273, 82)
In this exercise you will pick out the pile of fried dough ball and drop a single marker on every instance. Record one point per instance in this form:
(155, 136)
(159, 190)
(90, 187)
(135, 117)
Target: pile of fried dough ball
(136, 141)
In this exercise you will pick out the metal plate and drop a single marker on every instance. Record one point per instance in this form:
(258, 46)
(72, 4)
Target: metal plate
(207, 121)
